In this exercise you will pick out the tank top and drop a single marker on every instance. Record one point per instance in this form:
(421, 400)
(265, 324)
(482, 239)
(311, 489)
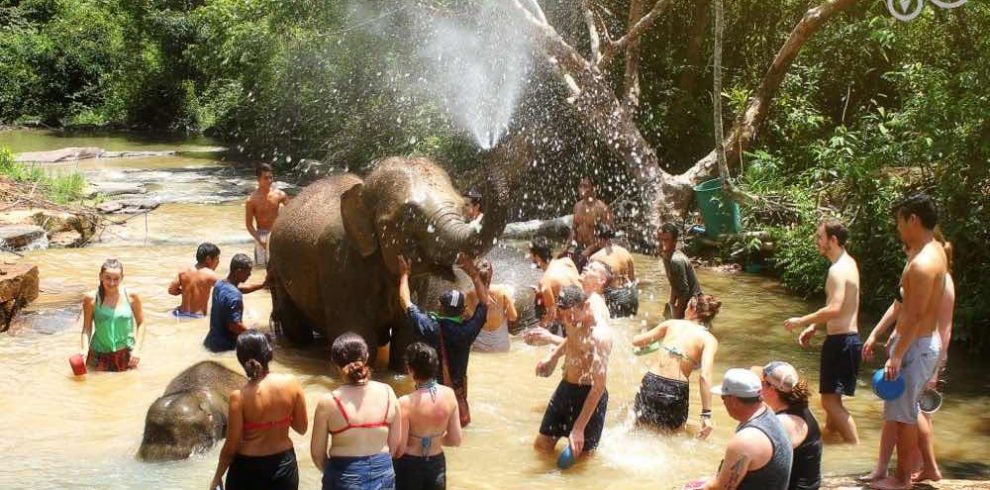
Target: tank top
(776, 473)
(806, 472)
(113, 327)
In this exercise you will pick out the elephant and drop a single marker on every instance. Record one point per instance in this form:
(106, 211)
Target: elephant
(333, 251)
(191, 416)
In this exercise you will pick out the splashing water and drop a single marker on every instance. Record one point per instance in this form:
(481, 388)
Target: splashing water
(478, 68)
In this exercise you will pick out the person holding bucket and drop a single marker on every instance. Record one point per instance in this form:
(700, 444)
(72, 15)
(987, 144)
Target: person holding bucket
(112, 336)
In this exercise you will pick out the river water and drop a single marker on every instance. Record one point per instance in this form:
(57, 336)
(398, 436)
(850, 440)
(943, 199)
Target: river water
(60, 432)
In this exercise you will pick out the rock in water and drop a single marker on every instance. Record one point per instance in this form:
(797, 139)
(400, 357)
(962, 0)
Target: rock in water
(21, 237)
(18, 287)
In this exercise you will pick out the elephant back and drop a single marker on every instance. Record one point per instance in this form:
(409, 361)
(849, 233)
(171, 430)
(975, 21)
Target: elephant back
(208, 375)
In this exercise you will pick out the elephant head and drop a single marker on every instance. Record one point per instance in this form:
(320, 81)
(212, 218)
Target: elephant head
(182, 423)
(408, 206)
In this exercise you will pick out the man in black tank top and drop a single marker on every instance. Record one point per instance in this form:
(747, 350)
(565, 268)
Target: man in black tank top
(787, 395)
(759, 455)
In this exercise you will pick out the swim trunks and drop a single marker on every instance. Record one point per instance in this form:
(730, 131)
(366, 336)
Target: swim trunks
(184, 315)
(662, 402)
(917, 367)
(565, 407)
(841, 355)
(622, 301)
(278, 471)
(421, 473)
(261, 251)
(373, 472)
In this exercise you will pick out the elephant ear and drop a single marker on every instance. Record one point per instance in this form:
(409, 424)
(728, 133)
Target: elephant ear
(357, 220)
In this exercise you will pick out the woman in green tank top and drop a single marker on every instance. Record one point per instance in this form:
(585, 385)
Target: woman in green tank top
(111, 334)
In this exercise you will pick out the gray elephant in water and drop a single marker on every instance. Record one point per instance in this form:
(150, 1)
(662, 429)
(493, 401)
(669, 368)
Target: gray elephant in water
(191, 416)
(333, 251)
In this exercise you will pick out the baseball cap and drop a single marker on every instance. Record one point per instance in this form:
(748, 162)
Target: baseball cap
(741, 383)
(570, 296)
(473, 194)
(780, 375)
(452, 301)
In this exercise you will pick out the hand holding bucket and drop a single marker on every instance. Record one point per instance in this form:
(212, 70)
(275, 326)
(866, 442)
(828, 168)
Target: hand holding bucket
(78, 364)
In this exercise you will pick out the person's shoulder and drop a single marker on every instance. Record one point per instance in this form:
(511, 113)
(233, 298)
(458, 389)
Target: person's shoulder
(749, 438)
(387, 387)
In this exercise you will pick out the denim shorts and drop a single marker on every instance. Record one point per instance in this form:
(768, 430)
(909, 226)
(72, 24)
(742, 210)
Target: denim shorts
(359, 473)
(917, 368)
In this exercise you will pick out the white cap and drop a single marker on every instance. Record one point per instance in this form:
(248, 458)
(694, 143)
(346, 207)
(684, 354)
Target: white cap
(741, 383)
(781, 376)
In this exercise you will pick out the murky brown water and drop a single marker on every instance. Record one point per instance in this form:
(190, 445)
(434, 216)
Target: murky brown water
(60, 432)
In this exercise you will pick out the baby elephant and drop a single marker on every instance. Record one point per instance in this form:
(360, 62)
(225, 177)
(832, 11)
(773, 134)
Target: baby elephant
(192, 414)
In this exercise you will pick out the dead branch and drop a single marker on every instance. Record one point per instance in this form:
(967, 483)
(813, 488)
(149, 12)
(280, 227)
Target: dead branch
(635, 31)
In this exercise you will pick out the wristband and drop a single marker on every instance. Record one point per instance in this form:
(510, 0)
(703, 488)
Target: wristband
(706, 413)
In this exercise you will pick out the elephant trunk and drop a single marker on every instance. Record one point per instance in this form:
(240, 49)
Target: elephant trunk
(459, 236)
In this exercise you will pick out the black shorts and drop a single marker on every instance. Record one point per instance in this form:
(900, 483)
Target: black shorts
(420, 473)
(565, 407)
(841, 355)
(622, 301)
(662, 402)
(277, 471)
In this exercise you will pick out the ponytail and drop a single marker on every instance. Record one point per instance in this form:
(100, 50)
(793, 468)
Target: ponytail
(254, 352)
(798, 397)
(356, 372)
(349, 353)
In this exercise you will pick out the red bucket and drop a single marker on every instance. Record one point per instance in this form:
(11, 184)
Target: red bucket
(78, 364)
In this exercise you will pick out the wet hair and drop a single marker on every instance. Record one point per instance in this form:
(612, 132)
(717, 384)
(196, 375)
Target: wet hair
(540, 246)
(706, 307)
(835, 228)
(604, 231)
(798, 397)
(240, 262)
(920, 205)
(254, 352)
(349, 352)
(606, 269)
(107, 264)
(672, 229)
(262, 168)
(485, 271)
(205, 251)
(422, 360)
(571, 296)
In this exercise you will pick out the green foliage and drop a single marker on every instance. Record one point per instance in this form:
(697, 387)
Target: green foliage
(59, 187)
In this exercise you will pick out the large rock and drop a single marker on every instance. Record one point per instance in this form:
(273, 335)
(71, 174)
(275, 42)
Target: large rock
(18, 287)
(557, 228)
(127, 206)
(116, 188)
(62, 155)
(21, 237)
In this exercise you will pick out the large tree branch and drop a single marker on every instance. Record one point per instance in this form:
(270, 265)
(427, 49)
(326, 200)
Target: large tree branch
(631, 87)
(635, 31)
(747, 125)
(562, 56)
(589, 20)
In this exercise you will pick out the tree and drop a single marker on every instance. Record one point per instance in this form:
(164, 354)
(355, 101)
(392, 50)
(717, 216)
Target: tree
(609, 111)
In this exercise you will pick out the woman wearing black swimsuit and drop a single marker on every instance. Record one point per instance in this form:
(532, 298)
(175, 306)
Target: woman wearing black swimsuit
(684, 346)
(356, 428)
(258, 453)
(430, 421)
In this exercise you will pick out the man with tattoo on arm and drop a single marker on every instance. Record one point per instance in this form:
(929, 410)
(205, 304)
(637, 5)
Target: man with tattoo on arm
(759, 455)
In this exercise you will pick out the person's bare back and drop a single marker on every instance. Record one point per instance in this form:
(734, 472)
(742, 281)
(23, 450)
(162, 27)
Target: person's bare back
(559, 274)
(501, 310)
(195, 285)
(620, 261)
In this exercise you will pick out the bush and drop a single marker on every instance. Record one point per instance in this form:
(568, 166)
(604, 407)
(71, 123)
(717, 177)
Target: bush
(61, 188)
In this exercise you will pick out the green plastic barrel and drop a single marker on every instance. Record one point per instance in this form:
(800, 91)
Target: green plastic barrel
(720, 213)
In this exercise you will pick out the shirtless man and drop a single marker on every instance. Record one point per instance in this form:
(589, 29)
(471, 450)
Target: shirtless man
(196, 283)
(577, 408)
(915, 352)
(680, 273)
(620, 293)
(589, 212)
(842, 350)
(557, 273)
(261, 210)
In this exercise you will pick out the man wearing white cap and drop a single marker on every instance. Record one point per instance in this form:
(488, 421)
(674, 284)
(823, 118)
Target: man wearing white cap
(759, 455)
(787, 395)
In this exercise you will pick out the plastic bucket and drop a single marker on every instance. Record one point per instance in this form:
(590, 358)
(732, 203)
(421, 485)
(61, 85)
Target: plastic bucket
(78, 365)
(720, 213)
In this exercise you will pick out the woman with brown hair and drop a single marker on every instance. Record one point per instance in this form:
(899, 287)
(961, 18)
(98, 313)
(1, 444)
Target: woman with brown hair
(787, 395)
(258, 453)
(112, 336)
(357, 427)
(685, 346)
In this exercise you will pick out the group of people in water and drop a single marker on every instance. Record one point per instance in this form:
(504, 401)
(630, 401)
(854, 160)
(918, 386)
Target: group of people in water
(364, 436)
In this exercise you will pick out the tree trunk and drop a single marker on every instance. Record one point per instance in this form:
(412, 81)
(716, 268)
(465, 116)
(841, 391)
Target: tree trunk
(687, 83)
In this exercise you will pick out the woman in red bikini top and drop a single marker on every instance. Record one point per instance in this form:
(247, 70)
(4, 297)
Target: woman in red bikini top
(356, 427)
(258, 452)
